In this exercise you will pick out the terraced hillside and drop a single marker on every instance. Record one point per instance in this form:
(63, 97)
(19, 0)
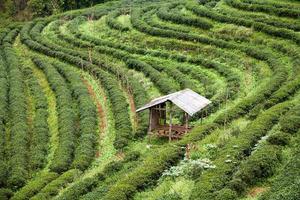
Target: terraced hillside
(70, 85)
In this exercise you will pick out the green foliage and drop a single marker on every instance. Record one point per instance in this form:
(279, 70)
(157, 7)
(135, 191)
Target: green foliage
(279, 138)
(189, 168)
(144, 175)
(226, 194)
(86, 185)
(279, 32)
(261, 164)
(166, 13)
(17, 112)
(291, 123)
(66, 117)
(40, 135)
(34, 186)
(257, 7)
(238, 149)
(54, 186)
(86, 147)
(114, 23)
(264, 86)
(5, 193)
(3, 119)
(286, 185)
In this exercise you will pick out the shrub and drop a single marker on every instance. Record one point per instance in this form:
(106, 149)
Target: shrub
(167, 14)
(40, 133)
(226, 194)
(144, 175)
(34, 186)
(256, 7)
(18, 119)
(86, 147)
(261, 164)
(278, 32)
(286, 184)
(52, 188)
(240, 148)
(63, 154)
(279, 138)
(291, 122)
(5, 193)
(114, 23)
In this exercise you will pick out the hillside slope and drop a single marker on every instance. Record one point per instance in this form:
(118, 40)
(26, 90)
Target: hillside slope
(70, 84)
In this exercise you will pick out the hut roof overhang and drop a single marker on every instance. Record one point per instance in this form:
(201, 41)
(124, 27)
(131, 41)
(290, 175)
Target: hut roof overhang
(187, 100)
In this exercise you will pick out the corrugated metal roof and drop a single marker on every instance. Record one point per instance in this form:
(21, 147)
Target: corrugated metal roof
(187, 100)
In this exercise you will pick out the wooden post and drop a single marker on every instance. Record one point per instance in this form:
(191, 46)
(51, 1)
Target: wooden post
(150, 121)
(170, 125)
(186, 122)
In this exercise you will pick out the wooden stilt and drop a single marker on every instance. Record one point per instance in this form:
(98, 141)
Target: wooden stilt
(150, 121)
(170, 125)
(186, 122)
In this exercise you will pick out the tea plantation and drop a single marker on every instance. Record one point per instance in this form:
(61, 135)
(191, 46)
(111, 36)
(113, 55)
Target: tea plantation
(70, 84)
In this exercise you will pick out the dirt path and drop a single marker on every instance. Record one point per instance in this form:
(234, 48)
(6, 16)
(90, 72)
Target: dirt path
(100, 111)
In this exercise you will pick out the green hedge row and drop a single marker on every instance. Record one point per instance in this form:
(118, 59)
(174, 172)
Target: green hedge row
(270, 9)
(272, 21)
(221, 68)
(116, 96)
(63, 154)
(3, 119)
(168, 14)
(238, 149)
(86, 146)
(86, 185)
(34, 186)
(40, 133)
(10, 36)
(291, 123)
(232, 77)
(5, 194)
(150, 17)
(138, 23)
(262, 93)
(261, 164)
(258, 26)
(162, 82)
(112, 21)
(145, 174)
(284, 92)
(183, 80)
(52, 188)
(252, 51)
(286, 184)
(18, 163)
(275, 4)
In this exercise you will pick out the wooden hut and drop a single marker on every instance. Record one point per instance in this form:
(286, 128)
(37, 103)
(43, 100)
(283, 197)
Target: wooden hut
(187, 100)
